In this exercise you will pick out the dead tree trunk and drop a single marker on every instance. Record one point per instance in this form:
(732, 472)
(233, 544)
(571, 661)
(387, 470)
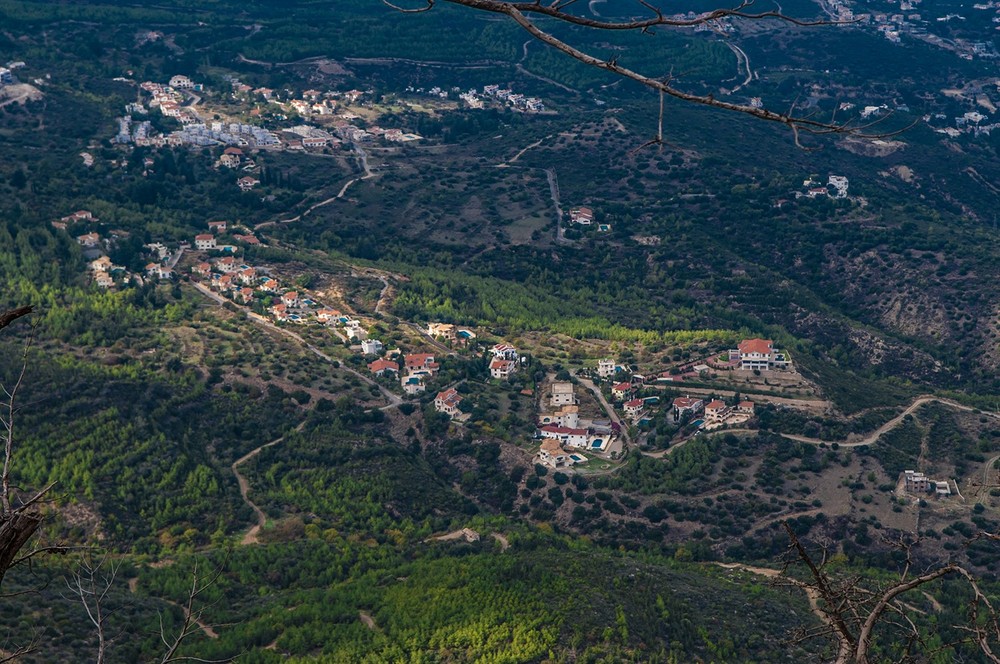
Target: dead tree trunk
(16, 529)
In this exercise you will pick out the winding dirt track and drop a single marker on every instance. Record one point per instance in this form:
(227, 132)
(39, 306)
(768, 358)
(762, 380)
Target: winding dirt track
(251, 535)
(888, 426)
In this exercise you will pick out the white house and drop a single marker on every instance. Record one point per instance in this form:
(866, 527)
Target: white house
(447, 402)
(552, 454)
(567, 416)
(606, 367)
(634, 408)
(504, 352)
(413, 385)
(566, 435)
(204, 242)
(562, 394)
(581, 215)
(684, 405)
(503, 369)
(759, 355)
(181, 82)
(371, 346)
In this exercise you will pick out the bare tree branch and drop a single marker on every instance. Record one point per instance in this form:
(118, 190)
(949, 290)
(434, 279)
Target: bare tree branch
(526, 13)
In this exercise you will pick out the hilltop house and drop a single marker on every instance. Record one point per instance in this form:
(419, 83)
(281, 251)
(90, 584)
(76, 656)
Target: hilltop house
(102, 264)
(417, 362)
(158, 271)
(447, 402)
(89, 240)
(413, 385)
(280, 312)
(247, 183)
(217, 226)
(581, 215)
(226, 264)
(181, 82)
(758, 355)
(445, 331)
(247, 276)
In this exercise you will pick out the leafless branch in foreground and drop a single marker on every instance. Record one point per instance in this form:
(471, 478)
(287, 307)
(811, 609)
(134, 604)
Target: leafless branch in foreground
(18, 519)
(193, 611)
(527, 14)
(853, 613)
(90, 585)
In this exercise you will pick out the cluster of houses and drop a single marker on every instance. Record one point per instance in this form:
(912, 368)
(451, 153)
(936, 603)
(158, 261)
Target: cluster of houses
(170, 101)
(918, 483)
(970, 122)
(835, 187)
(418, 368)
(513, 99)
(716, 412)
(507, 97)
(561, 426)
(103, 271)
(505, 363)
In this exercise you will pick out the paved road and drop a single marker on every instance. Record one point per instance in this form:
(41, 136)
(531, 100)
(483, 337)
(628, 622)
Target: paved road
(172, 263)
(612, 414)
(431, 340)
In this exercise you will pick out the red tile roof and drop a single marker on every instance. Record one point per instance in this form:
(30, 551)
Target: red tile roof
(761, 346)
(686, 402)
(383, 365)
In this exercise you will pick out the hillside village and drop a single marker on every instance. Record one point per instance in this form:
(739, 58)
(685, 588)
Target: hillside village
(564, 436)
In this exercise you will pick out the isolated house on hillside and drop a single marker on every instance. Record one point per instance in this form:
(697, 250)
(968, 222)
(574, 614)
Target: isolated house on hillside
(759, 355)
